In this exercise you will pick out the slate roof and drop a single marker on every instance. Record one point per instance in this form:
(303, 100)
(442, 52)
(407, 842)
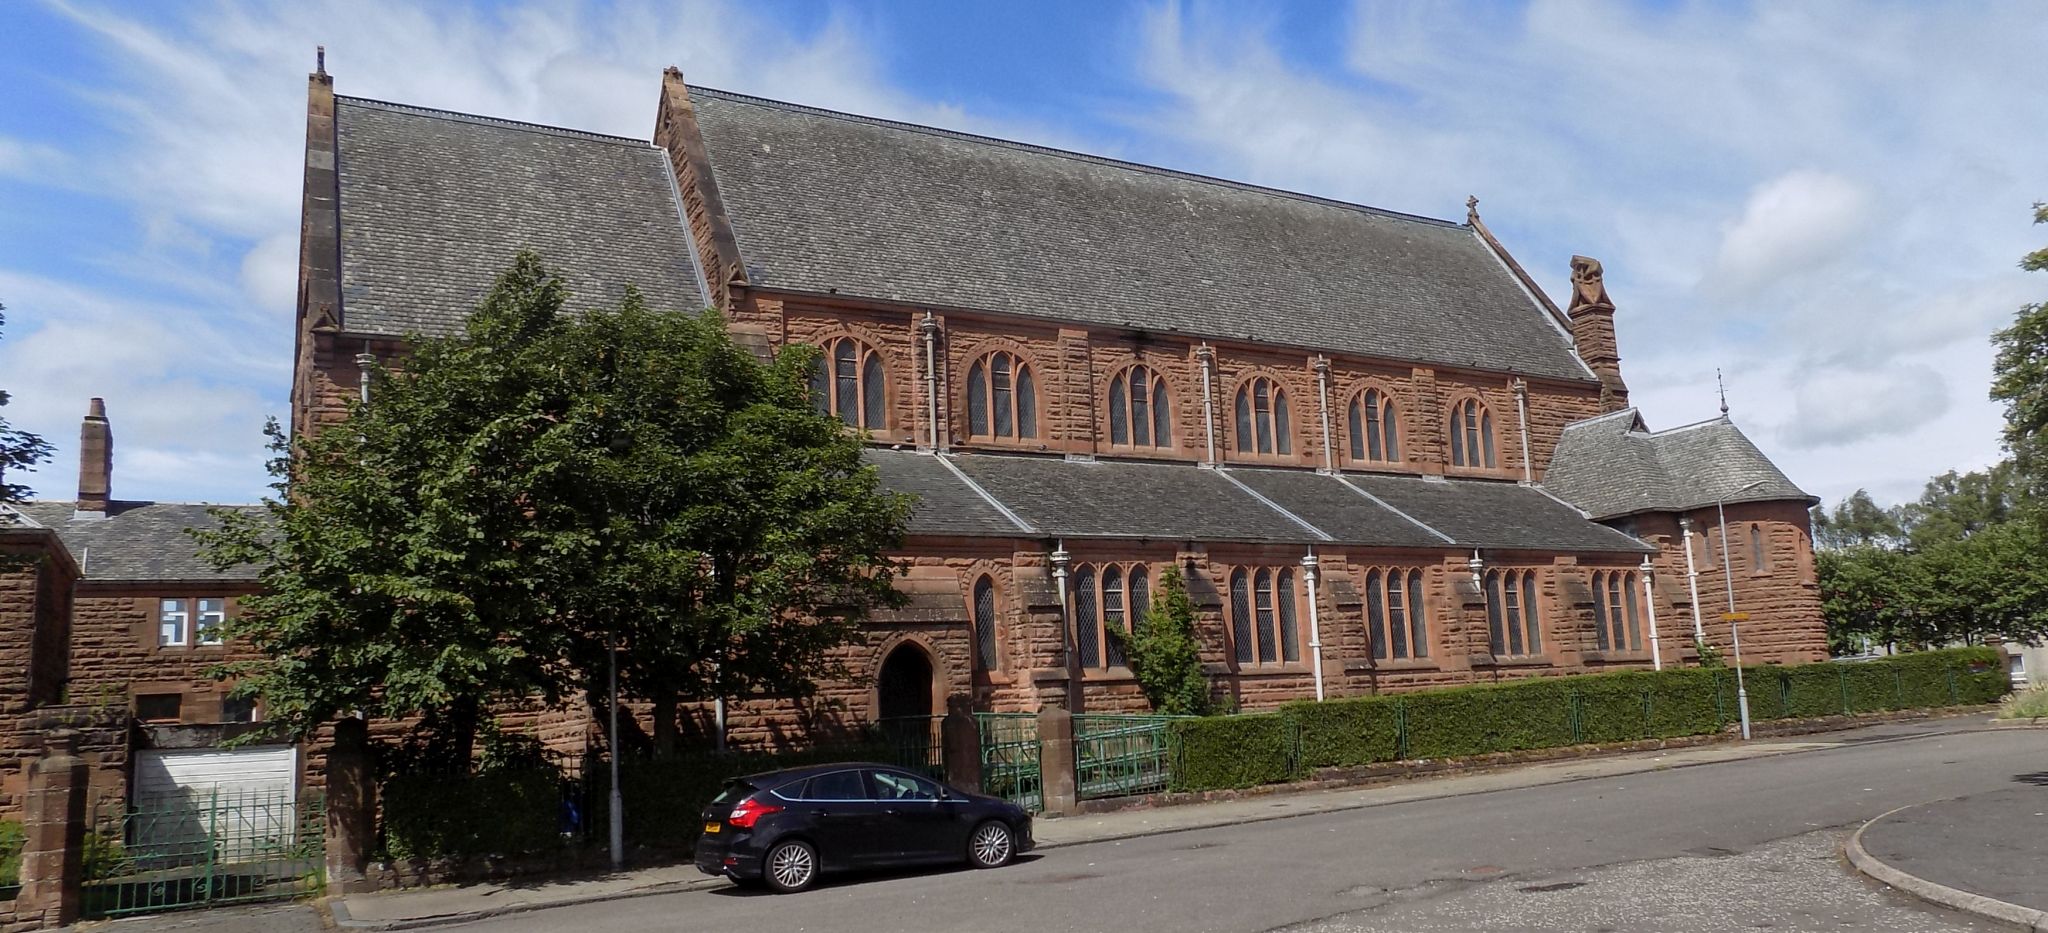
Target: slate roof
(1495, 514)
(1339, 510)
(1178, 501)
(1060, 498)
(822, 201)
(1613, 466)
(435, 204)
(946, 504)
(138, 541)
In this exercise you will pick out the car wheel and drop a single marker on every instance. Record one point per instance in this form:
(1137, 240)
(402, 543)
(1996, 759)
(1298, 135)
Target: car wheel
(790, 867)
(991, 845)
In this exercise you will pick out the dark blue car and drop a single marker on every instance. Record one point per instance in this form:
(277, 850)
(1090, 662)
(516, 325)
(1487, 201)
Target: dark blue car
(784, 828)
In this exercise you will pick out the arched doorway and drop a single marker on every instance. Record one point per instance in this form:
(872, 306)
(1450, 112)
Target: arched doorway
(904, 685)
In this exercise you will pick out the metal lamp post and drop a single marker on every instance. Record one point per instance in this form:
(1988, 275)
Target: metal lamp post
(1734, 626)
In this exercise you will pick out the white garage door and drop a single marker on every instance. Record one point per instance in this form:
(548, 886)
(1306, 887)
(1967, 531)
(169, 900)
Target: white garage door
(243, 802)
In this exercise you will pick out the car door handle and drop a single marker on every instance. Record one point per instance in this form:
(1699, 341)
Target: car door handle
(821, 814)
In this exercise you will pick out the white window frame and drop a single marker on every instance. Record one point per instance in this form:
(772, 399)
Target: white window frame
(207, 622)
(173, 623)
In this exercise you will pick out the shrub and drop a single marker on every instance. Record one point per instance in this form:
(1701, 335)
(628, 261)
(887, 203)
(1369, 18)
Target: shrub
(1164, 653)
(12, 839)
(1233, 751)
(509, 811)
(1346, 733)
(2031, 703)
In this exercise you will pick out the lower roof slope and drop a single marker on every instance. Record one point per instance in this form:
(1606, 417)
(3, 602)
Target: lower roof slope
(1052, 497)
(434, 205)
(1613, 466)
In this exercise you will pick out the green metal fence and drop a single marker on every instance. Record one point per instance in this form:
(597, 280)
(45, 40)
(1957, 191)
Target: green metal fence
(202, 848)
(1116, 755)
(1009, 758)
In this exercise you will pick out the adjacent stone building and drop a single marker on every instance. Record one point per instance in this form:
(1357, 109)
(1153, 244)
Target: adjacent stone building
(1383, 456)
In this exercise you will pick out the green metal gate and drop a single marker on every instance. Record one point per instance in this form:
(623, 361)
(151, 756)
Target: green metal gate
(203, 848)
(1009, 758)
(1115, 756)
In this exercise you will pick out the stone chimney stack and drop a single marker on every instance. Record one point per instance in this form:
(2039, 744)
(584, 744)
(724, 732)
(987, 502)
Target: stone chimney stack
(1592, 317)
(95, 459)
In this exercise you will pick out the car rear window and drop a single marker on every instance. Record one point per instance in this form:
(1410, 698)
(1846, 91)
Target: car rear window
(838, 785)
(733, 791)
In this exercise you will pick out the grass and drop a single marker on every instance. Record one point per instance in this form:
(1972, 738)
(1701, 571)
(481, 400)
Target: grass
(2031, 703)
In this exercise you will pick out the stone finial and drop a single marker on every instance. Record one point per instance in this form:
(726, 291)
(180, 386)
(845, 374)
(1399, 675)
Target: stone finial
(1472, 209)
(320, 60)
(1589, 285)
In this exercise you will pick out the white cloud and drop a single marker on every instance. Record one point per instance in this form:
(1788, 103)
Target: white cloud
(188, 337)
(1823, 198)
(1791, 225)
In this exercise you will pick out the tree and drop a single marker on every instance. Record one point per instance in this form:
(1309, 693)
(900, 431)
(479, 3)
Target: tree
(1164, 653)
(521, 499)
(2020, 372)
(1856, 520)
(19, 450)
(1863, 592)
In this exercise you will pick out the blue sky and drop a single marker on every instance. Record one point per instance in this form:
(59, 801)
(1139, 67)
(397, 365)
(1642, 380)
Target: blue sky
(1827, 200)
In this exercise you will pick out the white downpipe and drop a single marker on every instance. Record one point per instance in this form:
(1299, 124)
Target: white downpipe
(1329, 455)
(1521, 389)
(1315, 630)
(1060, 557)
(1206, 357)
(1650, 604)
(929, 327)
(364, 361)
(1692, 579)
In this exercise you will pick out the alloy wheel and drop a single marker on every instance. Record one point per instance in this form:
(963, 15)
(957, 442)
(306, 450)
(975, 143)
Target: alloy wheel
(791, 866)
(990, 845)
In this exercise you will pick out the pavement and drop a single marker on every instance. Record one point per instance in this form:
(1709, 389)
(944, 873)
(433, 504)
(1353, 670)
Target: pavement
(446, 905)
(1985, 854)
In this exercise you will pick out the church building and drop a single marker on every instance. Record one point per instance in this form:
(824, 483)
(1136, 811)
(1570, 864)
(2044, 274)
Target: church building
(1382, 455)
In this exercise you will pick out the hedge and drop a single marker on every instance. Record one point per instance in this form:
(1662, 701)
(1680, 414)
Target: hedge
(1549, 712)
(1234, 751)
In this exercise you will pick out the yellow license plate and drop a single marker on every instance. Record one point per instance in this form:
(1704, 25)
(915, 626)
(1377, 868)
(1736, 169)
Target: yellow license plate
(714, 827)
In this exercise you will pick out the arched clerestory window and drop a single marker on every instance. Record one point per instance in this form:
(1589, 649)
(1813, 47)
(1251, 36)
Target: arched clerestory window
(1375, 428)
(1471, 435)
(1263, 425)
(1002, 398)
(848, 384)
(1139, 414)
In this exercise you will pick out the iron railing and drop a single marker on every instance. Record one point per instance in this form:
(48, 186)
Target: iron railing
(1119, 755)
(1009, 758)
(198, 848)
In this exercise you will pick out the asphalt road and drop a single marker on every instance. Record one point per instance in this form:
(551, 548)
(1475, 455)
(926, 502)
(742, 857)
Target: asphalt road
(1743, 845)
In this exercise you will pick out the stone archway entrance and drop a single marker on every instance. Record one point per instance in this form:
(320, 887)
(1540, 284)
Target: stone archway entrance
(904, 685)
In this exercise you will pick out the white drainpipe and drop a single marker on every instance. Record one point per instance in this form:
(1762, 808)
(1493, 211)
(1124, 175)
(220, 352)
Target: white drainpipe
(1060, 557)
(1207, 359)
(930, 328)
(1692, 580)
(1329, 455)
(1521, 390)
(364, 361)
(1315, 631)
(1650, 604)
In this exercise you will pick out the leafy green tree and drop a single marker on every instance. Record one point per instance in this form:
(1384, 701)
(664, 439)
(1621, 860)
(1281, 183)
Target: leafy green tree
(1957, 505)
(1863, 592)
(1991, 582)
(1856, 520)
(19, 450)
(1164, 653)
(2020, 372)
(521, 500)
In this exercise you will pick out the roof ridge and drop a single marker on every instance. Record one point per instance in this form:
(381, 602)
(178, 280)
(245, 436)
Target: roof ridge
(1586, 422)
(1710, 422)
(458, 116)
(1076, 155)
